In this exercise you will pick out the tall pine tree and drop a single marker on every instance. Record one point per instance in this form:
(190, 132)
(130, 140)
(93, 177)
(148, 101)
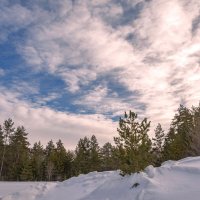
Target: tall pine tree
(133, 143)
(177, 143)
(157, 145)
(19, 152)
(37, 161)
(8, 130)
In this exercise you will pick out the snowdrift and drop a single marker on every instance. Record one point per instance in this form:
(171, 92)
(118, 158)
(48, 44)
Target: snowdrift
(174, 180)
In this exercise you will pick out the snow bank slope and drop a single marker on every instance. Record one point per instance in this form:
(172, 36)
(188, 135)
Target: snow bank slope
(172, 181)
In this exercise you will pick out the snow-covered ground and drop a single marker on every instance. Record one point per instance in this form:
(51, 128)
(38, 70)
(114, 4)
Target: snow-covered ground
(178, 180)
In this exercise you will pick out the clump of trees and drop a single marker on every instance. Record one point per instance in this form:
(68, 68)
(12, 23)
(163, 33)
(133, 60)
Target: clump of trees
(132, 152)
(20, 162)
(137, 151)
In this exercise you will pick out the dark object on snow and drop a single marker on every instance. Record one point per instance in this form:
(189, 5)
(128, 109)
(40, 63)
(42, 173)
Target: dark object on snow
(135, 185)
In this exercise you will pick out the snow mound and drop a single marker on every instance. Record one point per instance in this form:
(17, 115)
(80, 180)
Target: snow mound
(173, 180)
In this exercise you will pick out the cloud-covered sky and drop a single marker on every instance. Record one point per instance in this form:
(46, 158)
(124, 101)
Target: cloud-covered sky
(70, 68)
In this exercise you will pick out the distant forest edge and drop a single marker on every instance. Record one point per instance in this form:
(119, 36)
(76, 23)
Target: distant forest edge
(132, 152)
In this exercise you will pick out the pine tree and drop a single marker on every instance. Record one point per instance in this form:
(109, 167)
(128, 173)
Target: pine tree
(27, 172)
(8, 130)
(195, 132)
(50, 152)
(108, 157)
(61, 159)
(1, 141)
(69, 165)
(157, 145)
(37, 161)
(95, 161)
(82, 156)
(177, 144)
(133, 143)
(19, 152)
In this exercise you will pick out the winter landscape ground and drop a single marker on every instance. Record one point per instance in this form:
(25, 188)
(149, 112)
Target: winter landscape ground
(174, 180)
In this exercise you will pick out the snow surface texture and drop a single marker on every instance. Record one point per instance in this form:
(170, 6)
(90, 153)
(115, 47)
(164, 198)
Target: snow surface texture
(174, 180)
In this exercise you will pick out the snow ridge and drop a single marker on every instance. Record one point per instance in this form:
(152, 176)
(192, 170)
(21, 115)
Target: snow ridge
(173, 180)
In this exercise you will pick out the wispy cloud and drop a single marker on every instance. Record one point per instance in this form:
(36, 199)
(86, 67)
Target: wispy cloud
(104, 101)
(44, 123)
(152, 46)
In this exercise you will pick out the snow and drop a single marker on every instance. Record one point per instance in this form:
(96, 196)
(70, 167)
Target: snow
(173, 180)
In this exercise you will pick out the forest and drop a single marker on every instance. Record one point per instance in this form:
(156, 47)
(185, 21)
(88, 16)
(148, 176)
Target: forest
(131, 151)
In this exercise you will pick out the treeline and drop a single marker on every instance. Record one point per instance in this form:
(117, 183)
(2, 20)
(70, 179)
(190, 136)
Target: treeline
(136, 150)
(132, 152)
(20, 162)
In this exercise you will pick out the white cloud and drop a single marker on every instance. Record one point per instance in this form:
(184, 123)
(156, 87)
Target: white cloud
(12, 18)
(81, 42)
(44, 123)
(103, 101)
(79, 38)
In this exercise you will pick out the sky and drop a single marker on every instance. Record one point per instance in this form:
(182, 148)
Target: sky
(70, 68)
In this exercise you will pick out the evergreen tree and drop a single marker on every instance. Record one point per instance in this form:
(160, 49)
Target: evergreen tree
(108, 157)
(157, 145)
(19, 152)
(50, 152)
(37, 162)
(8, 130)
(61, 160)
(27, 172)
(133, 143)
(195, 132)
(95, 161)
(178, 140)
(1, 140)
(82, 156)
(69, 165)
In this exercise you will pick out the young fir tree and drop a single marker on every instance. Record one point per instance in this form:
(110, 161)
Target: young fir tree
(133, 143)
(157, 146)
(8, 130)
